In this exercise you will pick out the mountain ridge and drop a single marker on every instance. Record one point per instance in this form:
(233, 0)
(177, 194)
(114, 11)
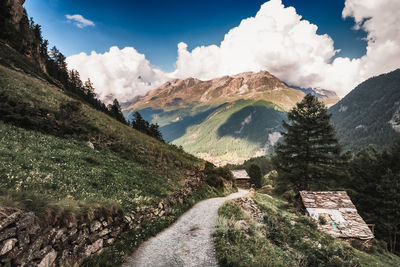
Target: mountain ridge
(224, 120)
(178, 93)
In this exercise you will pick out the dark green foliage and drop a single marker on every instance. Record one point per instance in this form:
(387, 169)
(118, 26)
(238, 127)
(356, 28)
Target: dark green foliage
(262, 162)
(255, 175)
(216, 176)
(144, 126)
(69, 120)
(115, 110)
(309, 157)
(375, 184)
(362, 117)
(230, 210)
(253, 122)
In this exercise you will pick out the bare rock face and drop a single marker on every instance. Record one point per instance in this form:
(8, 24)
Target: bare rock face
(7, 245)
(248, 85)
(29, 40)
(17, 12)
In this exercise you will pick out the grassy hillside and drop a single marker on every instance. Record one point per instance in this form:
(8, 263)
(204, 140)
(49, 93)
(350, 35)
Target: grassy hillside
(67, 161)
(45, 159)
(280, 236)
(370, 114)
(234, 132)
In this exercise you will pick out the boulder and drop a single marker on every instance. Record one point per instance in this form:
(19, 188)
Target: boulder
(9, 220)
(26, 220)
(90, 144)
(7, 233)
(93, 248)
(49, 259)
(104, 232)
(7, 245)
(94, 226)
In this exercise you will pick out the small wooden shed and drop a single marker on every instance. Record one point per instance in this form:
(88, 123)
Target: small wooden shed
(336, 214)
(242, 178)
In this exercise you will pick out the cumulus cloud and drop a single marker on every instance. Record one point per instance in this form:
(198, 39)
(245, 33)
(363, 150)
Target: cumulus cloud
(276, 39)
(122, 73)
(79, 20)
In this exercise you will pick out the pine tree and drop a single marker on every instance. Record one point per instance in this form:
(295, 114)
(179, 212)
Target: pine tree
(309, 157)
(115, 111)
(375, 189)
(88, 88)
(140, 124)
(255, 175)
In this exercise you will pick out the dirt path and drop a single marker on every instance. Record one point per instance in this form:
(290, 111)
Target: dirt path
(188, 242)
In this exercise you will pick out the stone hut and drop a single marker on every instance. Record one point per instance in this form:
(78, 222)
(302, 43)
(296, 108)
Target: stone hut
(242, 178)
(336, 214)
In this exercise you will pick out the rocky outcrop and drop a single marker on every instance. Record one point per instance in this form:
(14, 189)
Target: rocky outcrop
(250, 207)
(16, 12)
(26, 240)
(25, 39)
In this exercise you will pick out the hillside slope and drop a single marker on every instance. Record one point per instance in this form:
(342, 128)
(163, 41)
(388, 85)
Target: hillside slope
(266, 231)
(235, 132)
(71, 165)
(370, 114)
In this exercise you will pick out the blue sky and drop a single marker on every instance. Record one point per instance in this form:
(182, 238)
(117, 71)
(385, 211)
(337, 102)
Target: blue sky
(155, 28)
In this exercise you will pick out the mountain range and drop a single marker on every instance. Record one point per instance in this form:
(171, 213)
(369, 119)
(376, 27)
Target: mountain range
(223, 120)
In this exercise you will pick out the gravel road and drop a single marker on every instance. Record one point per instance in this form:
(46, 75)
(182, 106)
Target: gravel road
(188, 242)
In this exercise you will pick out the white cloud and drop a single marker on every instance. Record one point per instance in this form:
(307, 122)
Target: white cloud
(79, 20)
(279, 41)
(123, 73)
(276, 39)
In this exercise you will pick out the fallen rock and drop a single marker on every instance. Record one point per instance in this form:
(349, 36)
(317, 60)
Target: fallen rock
(110, 241)
(90, 144)
(7, 233)
(48, 260)
(26, 220)
(96, 225)
(7, 245)
(9, 220)
(23, 238)
(93, 248)
(104, 232)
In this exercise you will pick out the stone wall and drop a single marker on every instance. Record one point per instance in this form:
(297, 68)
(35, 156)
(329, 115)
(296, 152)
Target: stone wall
(26, 240)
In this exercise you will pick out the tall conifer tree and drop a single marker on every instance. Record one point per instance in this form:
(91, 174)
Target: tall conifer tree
(309, 157)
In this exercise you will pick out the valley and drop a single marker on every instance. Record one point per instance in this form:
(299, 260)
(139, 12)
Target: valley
(224, 120)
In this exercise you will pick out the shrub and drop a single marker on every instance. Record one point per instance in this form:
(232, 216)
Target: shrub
(322, 220)
(216, 176)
